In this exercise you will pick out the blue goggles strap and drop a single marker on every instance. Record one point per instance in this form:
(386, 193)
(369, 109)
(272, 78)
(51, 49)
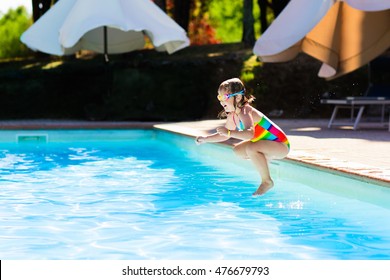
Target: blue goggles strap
(236, 93)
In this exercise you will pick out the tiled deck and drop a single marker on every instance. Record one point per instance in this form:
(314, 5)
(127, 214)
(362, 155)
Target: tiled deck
(363, 153)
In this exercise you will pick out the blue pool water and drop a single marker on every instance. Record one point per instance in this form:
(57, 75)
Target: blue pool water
(154, 195)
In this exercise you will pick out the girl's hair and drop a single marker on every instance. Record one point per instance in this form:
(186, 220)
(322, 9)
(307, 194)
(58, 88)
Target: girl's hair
(232, 86)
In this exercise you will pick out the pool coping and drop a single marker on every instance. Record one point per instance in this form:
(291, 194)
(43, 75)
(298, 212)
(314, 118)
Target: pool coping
(327, 164)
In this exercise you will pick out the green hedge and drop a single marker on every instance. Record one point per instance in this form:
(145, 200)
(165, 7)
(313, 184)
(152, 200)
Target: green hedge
(151, 86)
(141, 86)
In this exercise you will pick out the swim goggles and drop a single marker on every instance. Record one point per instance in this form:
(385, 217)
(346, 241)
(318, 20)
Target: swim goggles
(227, 96)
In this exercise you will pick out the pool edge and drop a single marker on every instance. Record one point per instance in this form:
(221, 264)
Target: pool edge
(308, 160)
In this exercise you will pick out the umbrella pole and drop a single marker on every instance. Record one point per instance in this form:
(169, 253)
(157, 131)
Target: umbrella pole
(106, 62)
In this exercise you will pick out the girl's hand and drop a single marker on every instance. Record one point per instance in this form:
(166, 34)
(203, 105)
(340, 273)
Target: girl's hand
(200, 140)
(223, 131)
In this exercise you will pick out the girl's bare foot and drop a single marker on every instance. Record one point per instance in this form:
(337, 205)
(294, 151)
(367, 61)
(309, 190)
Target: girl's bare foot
(264, 187)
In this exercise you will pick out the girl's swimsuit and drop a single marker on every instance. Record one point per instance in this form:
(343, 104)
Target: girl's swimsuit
(265, 130)
(240, 126)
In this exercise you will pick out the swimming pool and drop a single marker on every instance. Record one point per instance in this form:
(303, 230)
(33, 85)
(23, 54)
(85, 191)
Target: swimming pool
(150, 194)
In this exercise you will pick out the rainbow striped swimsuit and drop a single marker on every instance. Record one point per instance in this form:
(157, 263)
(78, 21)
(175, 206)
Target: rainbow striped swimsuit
(265, 130)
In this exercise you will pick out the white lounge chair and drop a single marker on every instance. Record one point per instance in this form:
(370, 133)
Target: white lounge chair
(375, 95)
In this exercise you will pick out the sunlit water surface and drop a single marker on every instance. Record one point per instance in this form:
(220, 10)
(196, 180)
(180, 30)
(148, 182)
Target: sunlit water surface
(153, 198)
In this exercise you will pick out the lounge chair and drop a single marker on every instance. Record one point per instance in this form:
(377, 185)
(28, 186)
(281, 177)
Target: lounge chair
(375, 95)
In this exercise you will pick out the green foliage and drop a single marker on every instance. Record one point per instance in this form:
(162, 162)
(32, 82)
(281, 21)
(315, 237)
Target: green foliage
(140, 86)
(12, 25)
(248, 70)
(151, 86)
(226, 18)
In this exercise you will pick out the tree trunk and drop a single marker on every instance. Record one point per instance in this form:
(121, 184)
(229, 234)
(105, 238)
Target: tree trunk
(181, 13)
(263, 5)
(248, 35)
(39, 7)
(162, 4)
(278, 6)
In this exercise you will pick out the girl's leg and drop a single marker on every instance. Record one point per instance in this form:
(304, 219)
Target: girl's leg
(240, 149)
(259, 152)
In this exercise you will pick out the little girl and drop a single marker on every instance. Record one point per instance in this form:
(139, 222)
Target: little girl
(262, 139)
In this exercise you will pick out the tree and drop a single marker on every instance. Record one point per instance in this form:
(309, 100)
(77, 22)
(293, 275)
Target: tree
(276, 6)
(39, 7)
(226, 17)
(263, 5)
(248, 33)
(162, 4)
(12, 25)
(200, 30)
(193, 17)
(181, 13)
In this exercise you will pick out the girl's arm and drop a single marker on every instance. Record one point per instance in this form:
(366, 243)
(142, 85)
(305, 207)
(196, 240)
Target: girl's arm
(212, 138)
(216, 137)
(242, 135)
(247, 118)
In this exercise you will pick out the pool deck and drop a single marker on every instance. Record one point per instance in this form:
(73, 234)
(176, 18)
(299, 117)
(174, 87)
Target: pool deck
(362, 153)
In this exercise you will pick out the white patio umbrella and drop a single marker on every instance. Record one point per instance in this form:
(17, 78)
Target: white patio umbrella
(344, 35)
(104, 26)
